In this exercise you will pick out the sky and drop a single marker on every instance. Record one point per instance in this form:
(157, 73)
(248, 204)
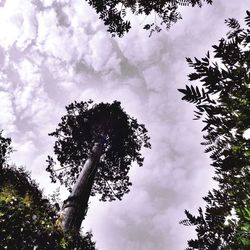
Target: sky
(53, 52)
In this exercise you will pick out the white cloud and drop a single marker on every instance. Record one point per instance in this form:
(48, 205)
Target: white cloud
(153, 77)
(73, 42)
(47, 3)
(101, 55)
(28, 72)
(52, 39)
(7, 116)
(23, 152)
(17, 24)
(29, 29)
(9, 28)
(28, 85)
(147, 50)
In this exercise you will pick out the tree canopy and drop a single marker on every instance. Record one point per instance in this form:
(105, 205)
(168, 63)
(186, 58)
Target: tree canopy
(114, 13)
(223, 102)
(86, 123)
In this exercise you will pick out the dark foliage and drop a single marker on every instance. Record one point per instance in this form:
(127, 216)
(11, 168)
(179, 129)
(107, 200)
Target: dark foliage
(86, 123)
(223, 102)
(5, 149)
(114, 12)
(27, 219)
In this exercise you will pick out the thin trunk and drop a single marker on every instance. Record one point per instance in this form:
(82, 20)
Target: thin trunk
(75, 206)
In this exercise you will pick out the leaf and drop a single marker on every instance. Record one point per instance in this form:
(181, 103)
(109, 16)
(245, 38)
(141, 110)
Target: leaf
(147, 27)
(232, 23)
(247, 18)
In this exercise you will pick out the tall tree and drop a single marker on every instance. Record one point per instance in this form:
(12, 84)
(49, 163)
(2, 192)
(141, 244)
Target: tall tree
(223, 102)
(96, 145)
(114, 13)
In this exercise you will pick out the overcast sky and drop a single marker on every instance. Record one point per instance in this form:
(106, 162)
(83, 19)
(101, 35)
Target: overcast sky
(53, 52)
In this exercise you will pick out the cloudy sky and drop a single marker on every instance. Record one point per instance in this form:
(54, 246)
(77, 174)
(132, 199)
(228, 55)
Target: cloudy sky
(53, 52)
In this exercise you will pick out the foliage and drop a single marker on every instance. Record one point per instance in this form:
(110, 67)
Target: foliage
(5, 149)
(27, 219)
(223, 102)
(86, 123)
(243, 230)
(114, 12)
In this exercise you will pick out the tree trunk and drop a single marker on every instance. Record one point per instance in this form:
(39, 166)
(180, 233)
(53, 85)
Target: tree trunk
(75, 207)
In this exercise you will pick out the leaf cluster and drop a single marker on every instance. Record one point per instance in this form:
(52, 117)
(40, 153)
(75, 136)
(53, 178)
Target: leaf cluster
(114, 12)
(223, 102)
(28, 220)
(5, 149)
(86, 123)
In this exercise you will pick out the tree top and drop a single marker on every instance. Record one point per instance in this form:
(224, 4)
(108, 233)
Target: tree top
(87, 123)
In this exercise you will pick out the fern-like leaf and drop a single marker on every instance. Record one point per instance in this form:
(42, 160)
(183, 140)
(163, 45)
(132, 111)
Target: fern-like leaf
(232, 23)
(247, 18)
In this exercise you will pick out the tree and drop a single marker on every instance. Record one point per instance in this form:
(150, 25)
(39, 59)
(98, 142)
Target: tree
(27, 219)
(223, 102)
(5, 149)
(113, 13)
(96, 145)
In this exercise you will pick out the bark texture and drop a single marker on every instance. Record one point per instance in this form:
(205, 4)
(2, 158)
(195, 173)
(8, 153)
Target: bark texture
(75, 207)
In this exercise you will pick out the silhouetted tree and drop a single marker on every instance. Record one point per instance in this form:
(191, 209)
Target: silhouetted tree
(5, 149)
(96, 145)
(223, 102)
(114, 13)
(27, 219)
